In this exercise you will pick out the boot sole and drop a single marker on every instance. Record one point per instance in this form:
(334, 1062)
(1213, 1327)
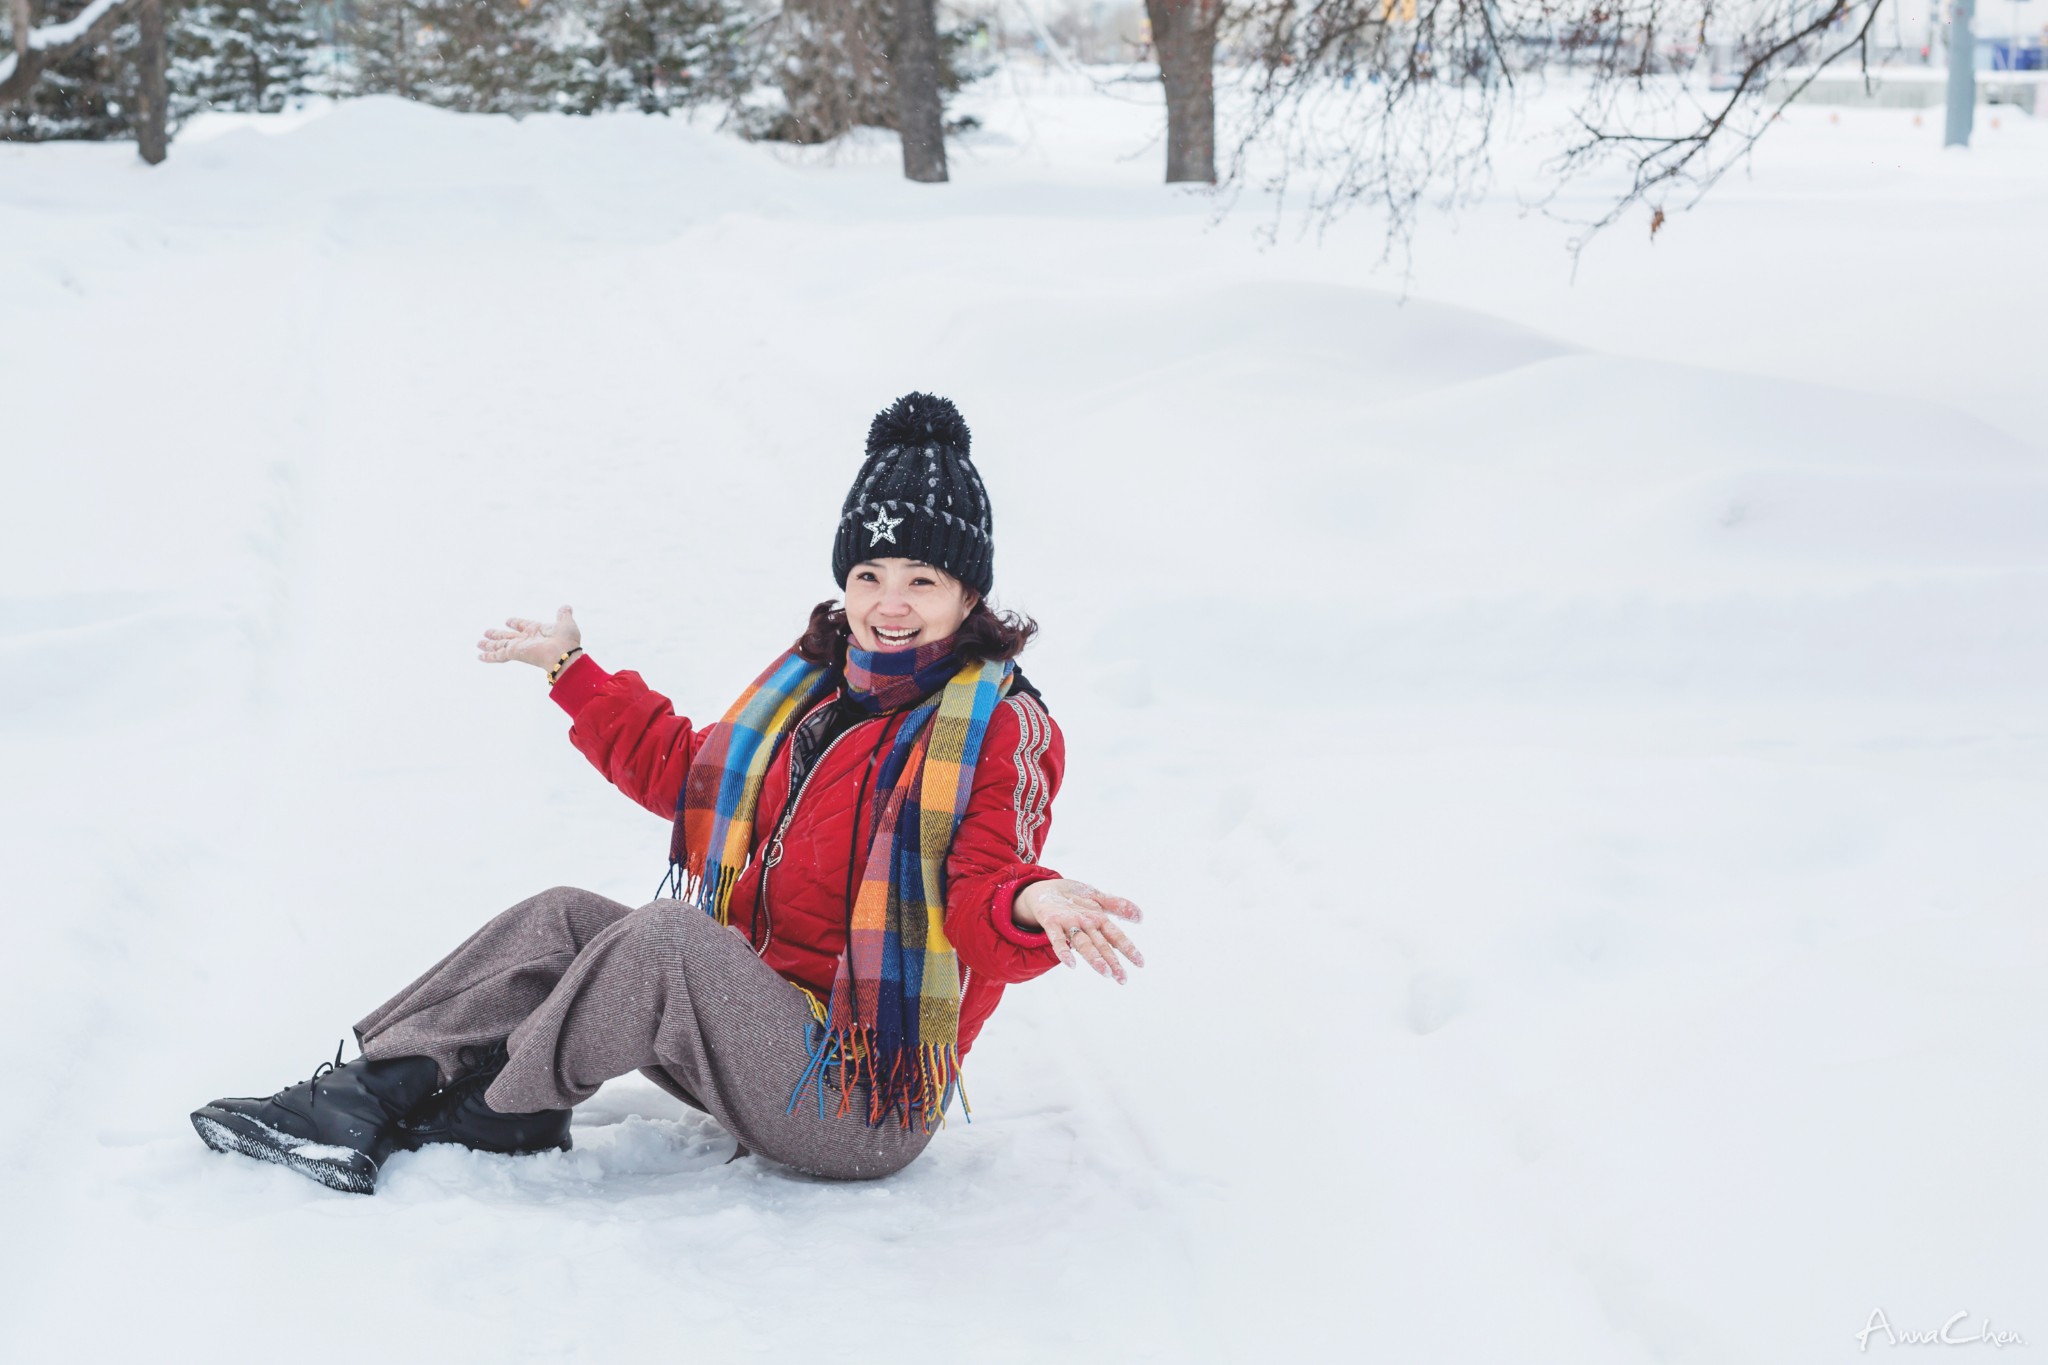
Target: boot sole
(338, 1168)
(414, 1140)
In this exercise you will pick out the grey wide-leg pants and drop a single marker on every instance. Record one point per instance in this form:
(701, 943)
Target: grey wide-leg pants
(584, 989)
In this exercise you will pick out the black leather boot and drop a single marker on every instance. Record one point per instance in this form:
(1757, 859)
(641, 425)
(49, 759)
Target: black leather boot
(336, 1128)
(459, 1114)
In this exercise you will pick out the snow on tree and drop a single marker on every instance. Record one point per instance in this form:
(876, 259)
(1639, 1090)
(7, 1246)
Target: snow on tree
(830, 59)
(842, 64)
(572, 56)
(658, 55)
(69, 87)
(251, 56)
(480, 56)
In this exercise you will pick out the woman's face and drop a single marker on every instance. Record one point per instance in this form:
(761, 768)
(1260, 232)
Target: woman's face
(894, 604)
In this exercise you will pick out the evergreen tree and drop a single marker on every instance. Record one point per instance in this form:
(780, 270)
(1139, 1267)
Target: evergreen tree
(252, 56)
(477, 56)
(486, 56)
(481, 56)
(245, 55)
(379, 46)
(658, 55)
(572, 56)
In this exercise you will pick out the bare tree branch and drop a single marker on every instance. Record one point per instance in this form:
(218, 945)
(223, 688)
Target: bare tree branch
(1667, 159)
(1398, 103)
(38, 48)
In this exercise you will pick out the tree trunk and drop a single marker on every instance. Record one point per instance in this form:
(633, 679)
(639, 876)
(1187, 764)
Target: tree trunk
(21, 15)
(401, 53)
(152, 95)
(1184, 40)
(914, 67)
(1962, 75)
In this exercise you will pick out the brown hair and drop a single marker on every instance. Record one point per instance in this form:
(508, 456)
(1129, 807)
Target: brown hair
(985, 634)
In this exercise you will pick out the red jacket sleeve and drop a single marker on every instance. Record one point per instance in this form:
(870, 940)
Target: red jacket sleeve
(629, 732)
(995, 853)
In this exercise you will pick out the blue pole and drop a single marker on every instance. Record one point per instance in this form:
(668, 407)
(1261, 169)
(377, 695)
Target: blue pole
(1962, 74)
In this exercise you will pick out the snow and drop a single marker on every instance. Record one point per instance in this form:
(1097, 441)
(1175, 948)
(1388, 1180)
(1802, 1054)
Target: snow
(1579, 742)
(52, 36)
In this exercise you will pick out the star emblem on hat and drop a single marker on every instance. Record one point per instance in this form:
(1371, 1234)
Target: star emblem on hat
(883, 527)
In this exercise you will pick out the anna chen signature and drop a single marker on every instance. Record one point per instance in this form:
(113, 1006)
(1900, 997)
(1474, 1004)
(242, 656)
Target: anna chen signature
(1957, 1331)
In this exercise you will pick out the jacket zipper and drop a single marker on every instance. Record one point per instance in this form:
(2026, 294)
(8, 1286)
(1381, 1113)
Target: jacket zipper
(773, 853)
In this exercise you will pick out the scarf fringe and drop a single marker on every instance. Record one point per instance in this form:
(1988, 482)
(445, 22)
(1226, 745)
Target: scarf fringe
(678, 884)
(919, 1087)
(713, 892)
(709, 891)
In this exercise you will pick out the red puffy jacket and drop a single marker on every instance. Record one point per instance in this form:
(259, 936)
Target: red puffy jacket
(794, 912)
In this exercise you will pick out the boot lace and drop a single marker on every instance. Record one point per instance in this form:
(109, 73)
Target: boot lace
(312, 1089)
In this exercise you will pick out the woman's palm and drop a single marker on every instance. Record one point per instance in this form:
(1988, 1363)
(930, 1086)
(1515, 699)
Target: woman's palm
(531, 642)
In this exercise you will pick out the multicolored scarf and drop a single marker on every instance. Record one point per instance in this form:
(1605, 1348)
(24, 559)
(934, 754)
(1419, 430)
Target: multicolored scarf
(881, 683)
(894, 1017)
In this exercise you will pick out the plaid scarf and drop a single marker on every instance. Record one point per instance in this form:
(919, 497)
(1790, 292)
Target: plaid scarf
(881, 683)
(894, 1016)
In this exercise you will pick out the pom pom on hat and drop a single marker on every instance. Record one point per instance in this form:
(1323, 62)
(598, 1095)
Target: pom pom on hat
(917, 420)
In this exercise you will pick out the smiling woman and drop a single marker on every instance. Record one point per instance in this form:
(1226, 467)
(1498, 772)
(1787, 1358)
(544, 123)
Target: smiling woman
(855, 859)
(982, 632)
(894, 603)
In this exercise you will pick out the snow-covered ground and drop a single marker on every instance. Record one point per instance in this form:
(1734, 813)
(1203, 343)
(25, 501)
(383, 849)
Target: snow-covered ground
(1581, 744)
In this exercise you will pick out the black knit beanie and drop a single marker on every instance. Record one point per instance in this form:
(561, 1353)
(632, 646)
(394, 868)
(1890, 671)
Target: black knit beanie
(918, 496)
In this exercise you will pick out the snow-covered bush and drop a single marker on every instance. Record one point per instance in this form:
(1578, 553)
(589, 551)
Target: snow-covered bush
(252, 56)
(656, 55)
(570, 56)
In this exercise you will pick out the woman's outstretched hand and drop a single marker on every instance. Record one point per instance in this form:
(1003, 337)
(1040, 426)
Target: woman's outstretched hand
(1081, 922)
(531, 642)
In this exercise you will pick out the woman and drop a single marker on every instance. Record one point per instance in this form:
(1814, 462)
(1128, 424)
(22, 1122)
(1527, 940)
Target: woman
(856, 876)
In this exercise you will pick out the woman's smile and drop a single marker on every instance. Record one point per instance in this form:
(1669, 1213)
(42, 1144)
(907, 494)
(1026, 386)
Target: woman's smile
(898, 638)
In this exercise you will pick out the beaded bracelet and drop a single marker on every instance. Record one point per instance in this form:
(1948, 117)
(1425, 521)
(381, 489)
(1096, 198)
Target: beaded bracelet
(562, 663)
